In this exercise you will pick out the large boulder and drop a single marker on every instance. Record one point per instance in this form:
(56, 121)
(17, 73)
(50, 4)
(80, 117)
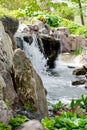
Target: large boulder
(6, 56)
(28, 84)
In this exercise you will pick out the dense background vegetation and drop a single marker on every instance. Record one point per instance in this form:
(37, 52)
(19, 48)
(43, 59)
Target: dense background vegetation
(55, 14)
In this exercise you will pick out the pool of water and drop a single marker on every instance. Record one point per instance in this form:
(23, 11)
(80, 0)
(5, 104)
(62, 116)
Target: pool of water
(58, 82)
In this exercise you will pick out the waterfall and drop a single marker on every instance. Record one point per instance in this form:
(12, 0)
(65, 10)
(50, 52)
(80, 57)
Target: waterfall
(33, 53)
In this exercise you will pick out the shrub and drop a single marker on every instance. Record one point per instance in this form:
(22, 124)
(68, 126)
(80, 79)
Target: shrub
(53, 20)
(4, 126)
(17, 13)
(82, 31)
(18, 120)
(3, 11)
(71, 117)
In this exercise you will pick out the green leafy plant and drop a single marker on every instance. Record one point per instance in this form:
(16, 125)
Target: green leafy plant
(18, 120)
(30, 107)
(4, 126)
(53, 20)
(82, 31)
(71, 117)
(78, 51)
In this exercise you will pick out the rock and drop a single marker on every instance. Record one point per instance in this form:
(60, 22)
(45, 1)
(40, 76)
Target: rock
(78, 82)
(5, 113)
(64, 30)
(10, 26)
(30, 114)
(2, 86)
(76, 41)
(52, 47)
(64, 41)
(21, 38)
(9, 92)
(79, 71)
(31, 125)
(6, 51)
(28, 84)
(42, 27)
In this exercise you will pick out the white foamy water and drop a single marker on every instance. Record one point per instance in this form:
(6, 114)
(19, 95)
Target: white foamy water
(57, 81)
(36, 57)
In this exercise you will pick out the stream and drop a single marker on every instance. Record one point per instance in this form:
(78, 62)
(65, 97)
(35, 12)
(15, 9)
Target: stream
(57, 81)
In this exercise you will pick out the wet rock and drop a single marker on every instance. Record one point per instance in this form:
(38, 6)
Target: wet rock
(79, 71)
(52, 47)
(78, 82)
(31, 125)
(28, 84)
(64, 41)
(31, 114)
(28, 39)
(19, 42)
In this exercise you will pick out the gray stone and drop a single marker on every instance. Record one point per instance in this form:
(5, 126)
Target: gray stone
(6, 51)
(9, 92)
(5, 113)
(2, 86)
(31, 125)
(28, 84)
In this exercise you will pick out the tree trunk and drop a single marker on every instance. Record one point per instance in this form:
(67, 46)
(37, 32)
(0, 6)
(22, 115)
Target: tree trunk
(81, 13)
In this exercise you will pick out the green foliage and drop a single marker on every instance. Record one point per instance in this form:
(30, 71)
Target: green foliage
(78, 51)
(71, 25)
(53, 21)
(3, 11)
(71, 117)
(18, 120)
(82, 31)
(28, 106)
(4, 126)
(17, 13)
(57, 106)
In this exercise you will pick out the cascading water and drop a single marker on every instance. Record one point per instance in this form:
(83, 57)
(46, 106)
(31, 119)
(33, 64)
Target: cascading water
(33, 53)
(58, 80)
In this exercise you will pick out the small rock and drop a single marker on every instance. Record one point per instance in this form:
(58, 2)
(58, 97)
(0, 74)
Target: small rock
(78, 82)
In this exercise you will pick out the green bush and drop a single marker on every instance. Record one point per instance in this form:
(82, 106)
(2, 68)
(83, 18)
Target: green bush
(53, 21)
(71, 117)
(30, 107)
(17, 13)
(3, 11)
(82, 31)
(71, 25)
(18, 120)
(4, 126)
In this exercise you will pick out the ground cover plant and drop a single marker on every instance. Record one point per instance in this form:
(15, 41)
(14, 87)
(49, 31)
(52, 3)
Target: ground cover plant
(13, 123)
(68, 117)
